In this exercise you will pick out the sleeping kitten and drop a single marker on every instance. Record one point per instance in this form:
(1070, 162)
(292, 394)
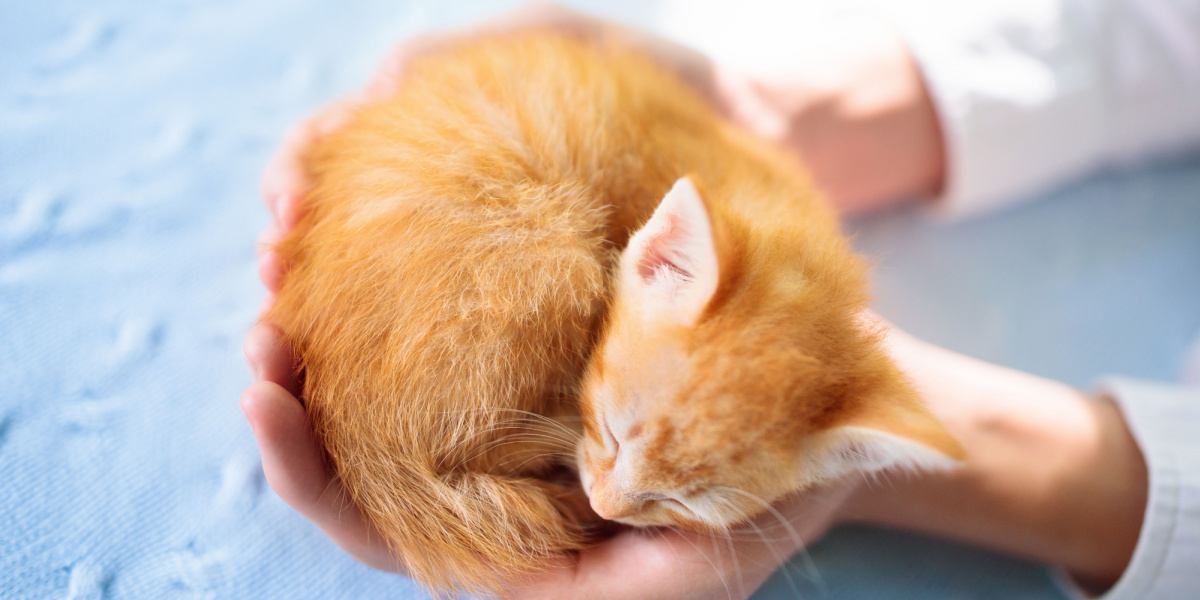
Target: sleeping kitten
(448, 281)
(733, 369)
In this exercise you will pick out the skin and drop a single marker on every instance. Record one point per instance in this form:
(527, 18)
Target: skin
(1053, 474)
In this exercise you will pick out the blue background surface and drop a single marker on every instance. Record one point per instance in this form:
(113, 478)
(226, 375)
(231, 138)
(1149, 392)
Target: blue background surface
(131, 140)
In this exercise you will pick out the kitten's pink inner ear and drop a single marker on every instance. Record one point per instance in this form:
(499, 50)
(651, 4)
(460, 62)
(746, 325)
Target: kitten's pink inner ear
(669, 268)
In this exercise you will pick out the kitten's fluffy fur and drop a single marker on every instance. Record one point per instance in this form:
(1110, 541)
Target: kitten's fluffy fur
(450, 275)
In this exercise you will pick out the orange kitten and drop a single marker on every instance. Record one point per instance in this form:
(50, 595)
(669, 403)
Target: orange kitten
(734, 369)
(449, 279)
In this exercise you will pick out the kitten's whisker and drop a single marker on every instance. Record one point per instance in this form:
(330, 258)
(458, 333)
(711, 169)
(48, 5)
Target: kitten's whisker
(781, 561)
(737, 565)
(793, 535)
(686, 536)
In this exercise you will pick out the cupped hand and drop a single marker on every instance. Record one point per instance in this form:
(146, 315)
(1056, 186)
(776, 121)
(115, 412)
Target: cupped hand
(641, 563)
(292, 458)
(633, 564)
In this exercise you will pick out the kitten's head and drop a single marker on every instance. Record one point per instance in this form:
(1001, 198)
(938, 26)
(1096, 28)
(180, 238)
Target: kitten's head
(734, 369)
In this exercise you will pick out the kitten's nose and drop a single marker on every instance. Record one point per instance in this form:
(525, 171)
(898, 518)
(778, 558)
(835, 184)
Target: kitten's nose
(610, 503)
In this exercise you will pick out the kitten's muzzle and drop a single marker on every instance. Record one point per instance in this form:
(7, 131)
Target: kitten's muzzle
(610, 502)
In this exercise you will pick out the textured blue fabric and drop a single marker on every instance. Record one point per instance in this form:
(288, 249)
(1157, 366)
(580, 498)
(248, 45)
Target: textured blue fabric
(131, 139)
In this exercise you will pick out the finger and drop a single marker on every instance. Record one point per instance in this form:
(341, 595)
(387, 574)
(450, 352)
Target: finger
(295, 468)
(288, 180)
(268, 238)
(270, 264)
(292, 459)
(271, 358)
(643, 564)
(332, 117)
(270, 270)
(648, 563)
(285, 179)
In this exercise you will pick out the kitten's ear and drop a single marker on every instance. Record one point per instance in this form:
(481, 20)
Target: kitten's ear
(896, 432)
(670, 267)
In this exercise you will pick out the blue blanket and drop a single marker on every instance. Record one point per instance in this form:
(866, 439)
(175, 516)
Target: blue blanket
(131, 139)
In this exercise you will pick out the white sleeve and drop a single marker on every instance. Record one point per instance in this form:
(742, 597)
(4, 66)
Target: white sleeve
(1034, 92)
(1165, 421)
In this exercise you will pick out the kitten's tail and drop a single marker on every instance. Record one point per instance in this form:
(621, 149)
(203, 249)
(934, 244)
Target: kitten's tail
(476, 532)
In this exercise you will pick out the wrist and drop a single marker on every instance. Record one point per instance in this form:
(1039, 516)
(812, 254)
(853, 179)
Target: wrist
(1051, 474)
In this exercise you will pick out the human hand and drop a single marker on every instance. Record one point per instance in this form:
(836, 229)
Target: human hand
(632, 564)
(662, 563)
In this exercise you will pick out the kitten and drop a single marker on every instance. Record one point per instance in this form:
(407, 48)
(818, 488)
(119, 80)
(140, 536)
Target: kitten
(452, 271)
(734, 370)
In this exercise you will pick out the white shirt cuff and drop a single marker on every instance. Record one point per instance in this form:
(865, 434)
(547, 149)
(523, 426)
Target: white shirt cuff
(1165, 421)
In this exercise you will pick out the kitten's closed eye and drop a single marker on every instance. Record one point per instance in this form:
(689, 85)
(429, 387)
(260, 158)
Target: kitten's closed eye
(648, 497)
(616, 444)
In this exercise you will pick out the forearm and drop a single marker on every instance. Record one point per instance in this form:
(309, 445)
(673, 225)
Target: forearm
(1051, 474)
